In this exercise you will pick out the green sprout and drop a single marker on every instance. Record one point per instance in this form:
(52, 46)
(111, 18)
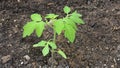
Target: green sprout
(66, 24)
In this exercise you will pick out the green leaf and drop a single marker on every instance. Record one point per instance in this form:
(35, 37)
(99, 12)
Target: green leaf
(52, 45)
(28, 29)
(36, 45)
(69, 33)
(70, 22)
(76, 19)
(39, 28)
(62, 54)
(52, 16)
(36, 17)
(76, 14)
(66, 9)
(40, 44)
(58, 26)
(45, 50)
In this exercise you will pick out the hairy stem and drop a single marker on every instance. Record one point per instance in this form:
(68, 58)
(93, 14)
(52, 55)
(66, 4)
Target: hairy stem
(54, 38)
(52, 51)
(52, 57)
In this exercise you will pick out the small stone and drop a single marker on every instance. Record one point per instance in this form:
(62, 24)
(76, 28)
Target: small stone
(40, 66)
(9, 45)
(118, 47)
(21, 63)
(6, 58)
(104, 65)
(14, 20)
(2, 19)
(118, 59)
(106, 48)
(118, 13)
(27, 57)
(18, 0)
(112, 66)
(50, 3)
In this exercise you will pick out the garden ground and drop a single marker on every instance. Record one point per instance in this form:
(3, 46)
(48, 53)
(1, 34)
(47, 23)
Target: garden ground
(97, 43)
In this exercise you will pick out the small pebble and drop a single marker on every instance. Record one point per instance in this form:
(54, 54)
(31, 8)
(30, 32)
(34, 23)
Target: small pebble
(40, 66)
(118, 13)
(9, 45)
(104, 65)
(21, 63)
(118, 59)
(18, 0)
(118, 47)
(2, 19)
(106, 48)
(14, 20)
(112, 66)
(27, 57)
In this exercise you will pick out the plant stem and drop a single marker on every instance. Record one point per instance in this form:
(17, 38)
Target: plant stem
(54, 38)
(52, 51)
(52, 57)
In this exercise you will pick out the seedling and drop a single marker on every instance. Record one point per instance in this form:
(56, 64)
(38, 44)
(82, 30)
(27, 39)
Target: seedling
(67, 25)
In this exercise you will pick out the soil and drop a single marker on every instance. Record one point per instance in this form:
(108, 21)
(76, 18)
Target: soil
(97, 43)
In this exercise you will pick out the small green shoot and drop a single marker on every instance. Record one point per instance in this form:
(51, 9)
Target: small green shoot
(67, 25)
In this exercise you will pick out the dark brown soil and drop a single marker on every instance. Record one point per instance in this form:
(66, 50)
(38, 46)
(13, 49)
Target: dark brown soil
(97, 43)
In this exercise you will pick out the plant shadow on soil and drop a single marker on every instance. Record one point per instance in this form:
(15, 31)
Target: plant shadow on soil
(97, 43)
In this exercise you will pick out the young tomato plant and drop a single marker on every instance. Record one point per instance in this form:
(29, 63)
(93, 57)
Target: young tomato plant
(66, 24)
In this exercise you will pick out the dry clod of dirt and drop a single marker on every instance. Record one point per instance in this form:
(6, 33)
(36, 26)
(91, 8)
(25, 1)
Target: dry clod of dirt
(6, 58)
